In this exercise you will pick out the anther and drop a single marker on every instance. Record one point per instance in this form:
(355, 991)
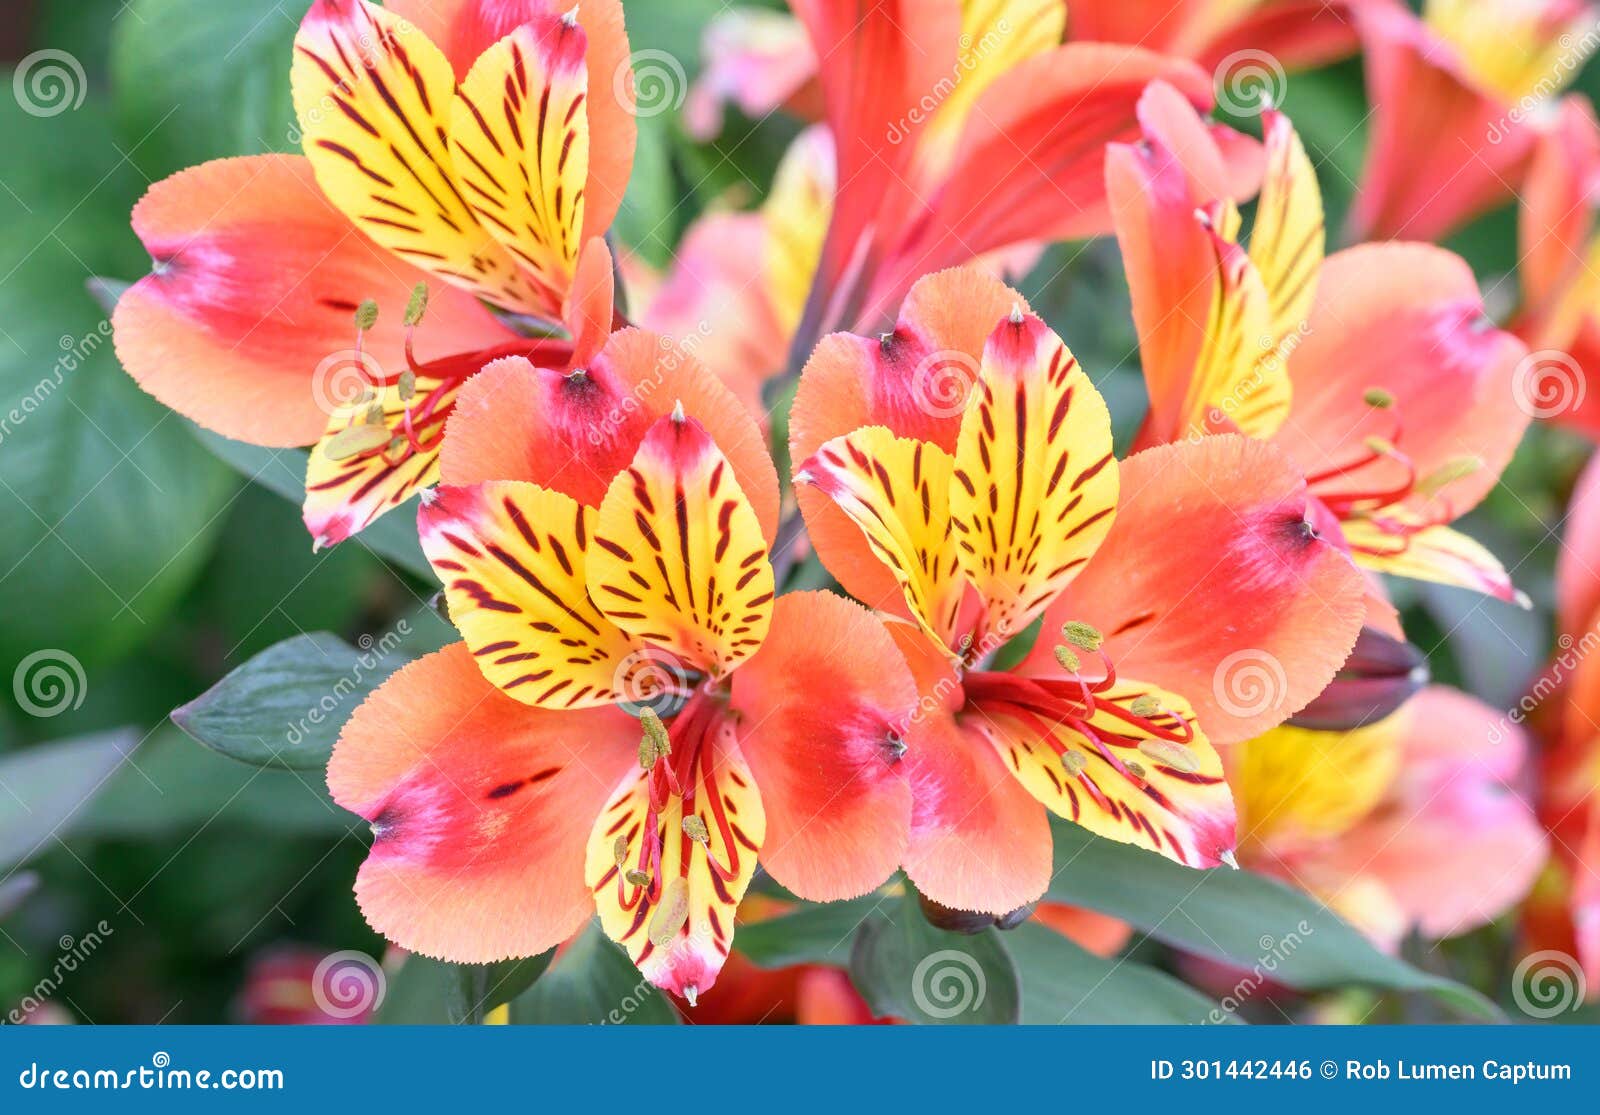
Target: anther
(1067, 660)
(637, 878)
(671, 914)
(418, 304)
(1144, 706)
(1378, 397)
(1074, 761)
(1135, 768)
(408, 385)
(695, 829)
(1170, 754)
(1383, 447)
(1082, 636)
(366, 315)
(620, 850)
(654, 744)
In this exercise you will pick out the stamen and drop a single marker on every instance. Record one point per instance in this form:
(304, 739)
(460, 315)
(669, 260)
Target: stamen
(1170, 755)
(1074, 760)
(1135, 768)
(695, 829)
(418, 305)
(1082, 636)
(638, 878)
(1144, 705)
(1447, 473)
(655, 743)
(1067, 660)
(620, 850)
(367, 315)
(672, 913)
(1379, 398)
(408, 385)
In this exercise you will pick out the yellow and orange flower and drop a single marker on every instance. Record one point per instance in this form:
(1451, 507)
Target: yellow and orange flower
(481, 147)
(1415, 823)
(609, 573)
(971, 520)
(1458, 99)
(1375, 370)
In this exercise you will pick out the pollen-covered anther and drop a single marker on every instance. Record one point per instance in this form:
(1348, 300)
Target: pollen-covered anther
(1067, 660)
(408, 385)
(695, 829)
(1458, 468)
(1082, 636)
(1378, 398)
(654, 744)
(1135, 768)
(620, 850)
(1144, 706)
(1170, 754)
(367, 315)
(671, 914)
(417, 304)
(1074, 761)
(1381, 446)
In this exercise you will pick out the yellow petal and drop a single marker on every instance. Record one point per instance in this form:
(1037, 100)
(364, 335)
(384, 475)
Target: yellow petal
(1431, 553)
(1035, 480)
(680, 559)
(519, 135)
(373, 98)
(897, 490)
(1241, 378)
(512, 556)
(1294, 784)
(1286, 242)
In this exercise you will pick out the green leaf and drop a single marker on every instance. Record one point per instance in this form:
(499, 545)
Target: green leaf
(1063, 983)
(110, 508)
(813, 934)
(480, 988)
(15, 890)
(418, 993)
(906, 968)
(1239, 917)
(42, 789)
(195, 80)
(284, 707)
(283, 471)
(593, 982)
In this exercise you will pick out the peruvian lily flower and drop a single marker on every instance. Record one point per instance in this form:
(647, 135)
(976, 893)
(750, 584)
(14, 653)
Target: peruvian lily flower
(1414, 823)
(631, 719)
(1375, 370)
(961, 129)
(1165, 586)
(1458, 99)
(1564, 912)
(460, 155)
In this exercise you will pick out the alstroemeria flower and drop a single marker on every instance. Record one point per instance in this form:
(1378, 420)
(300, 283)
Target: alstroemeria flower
(1375, 369)
(478, 146)
(961, 129)
(1294, 33)
(1170, 576)
(1457, 98)
(632, 719)
(1564, 912)
(1412, 823)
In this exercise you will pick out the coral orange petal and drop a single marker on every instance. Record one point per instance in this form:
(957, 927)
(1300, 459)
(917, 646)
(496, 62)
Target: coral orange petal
(246, 322)
(824, 706)
(480, 808)
(1214, 586)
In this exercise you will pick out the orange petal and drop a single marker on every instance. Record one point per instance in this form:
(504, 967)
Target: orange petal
(1556, 229)
(248, 311)
(680, 560)
(513, 557)
(1035, 480)
(679, 927)
(465, 29)
(824, 704)
(1213, 586)
(575, 430)
(590, 308)
(1137, 784)
(373, 98)
(897, 490)
(1578, 562)
(480, 807)
(916, 380)
(979, 841)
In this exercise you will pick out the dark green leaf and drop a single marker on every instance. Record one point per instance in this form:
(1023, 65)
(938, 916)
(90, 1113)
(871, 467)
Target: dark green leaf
(813, 934)
(1239, 917)
(480, 988)
(14, 891)
(285, 706)
(593, 982)
(419, 993)
(42, 789)
(1063, 983)
(907, 969)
